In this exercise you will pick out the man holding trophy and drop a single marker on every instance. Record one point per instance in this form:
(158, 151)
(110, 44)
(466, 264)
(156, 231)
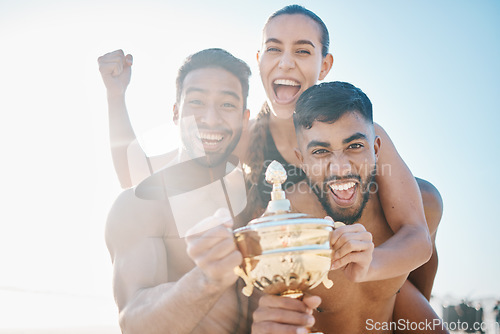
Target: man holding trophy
(338, 151)
(162, 285)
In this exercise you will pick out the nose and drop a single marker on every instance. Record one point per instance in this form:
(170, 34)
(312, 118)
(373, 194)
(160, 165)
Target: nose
(286, 62)
(210, 117)
(339, 164)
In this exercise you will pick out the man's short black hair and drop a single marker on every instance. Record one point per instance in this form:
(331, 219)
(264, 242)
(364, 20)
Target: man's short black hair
(215, 58)
(329, 101)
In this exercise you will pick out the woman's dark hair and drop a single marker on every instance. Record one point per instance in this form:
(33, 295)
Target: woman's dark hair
(260, 129)
(297, 9)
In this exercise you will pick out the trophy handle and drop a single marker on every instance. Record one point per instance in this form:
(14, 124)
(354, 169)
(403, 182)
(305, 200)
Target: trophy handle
(328, 283)
(248, 288)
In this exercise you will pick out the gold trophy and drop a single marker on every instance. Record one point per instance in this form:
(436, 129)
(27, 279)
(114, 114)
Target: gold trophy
(284, 253)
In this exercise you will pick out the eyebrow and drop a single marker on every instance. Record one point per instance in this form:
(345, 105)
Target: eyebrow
(200, 90)
(356, 136)
(230, 93)
(194, 90)
(315, 143)
(299, 42)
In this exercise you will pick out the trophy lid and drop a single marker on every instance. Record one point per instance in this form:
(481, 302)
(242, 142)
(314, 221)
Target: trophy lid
(279, 207)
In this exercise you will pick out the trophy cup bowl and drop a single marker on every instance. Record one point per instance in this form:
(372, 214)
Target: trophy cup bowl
(284, 253)
(285, 256)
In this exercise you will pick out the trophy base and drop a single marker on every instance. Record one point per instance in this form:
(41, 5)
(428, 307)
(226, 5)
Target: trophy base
(295, 294)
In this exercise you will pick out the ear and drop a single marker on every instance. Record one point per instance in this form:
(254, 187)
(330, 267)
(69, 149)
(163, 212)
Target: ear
(246, 117)
(326, 66)
(175, 118)
(299, 156)
(376, 146)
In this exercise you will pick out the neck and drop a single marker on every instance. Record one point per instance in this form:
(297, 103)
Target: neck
(196, 168)
(283, 130)
(283, 133)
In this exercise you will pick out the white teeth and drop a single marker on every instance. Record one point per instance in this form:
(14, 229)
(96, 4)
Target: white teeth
(286, 82)
(211, 136)
(342, 186)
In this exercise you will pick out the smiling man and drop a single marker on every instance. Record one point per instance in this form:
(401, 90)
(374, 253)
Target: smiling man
(338, 151)
(162, 285)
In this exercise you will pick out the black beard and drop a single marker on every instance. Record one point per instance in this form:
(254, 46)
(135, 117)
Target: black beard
(339, 216)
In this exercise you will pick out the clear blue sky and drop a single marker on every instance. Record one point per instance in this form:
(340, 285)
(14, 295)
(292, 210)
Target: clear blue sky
(431, 69)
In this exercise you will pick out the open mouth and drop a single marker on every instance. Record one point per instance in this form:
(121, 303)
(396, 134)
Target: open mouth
(344, 193)
(211, 140)
(286, 90)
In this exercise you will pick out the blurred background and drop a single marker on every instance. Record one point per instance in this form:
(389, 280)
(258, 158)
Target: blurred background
(431, 69)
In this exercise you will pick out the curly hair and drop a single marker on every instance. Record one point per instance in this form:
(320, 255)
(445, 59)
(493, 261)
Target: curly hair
(255, 159)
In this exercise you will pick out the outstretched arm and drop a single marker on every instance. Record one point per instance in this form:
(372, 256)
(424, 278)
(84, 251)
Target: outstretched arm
(402, 204)
(129, 159)
(147, 301)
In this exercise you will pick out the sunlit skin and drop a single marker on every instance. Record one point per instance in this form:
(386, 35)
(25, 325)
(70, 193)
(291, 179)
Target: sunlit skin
(159, 276)
(210, 115)
(340, 159)
(342, 149)
(289, 63)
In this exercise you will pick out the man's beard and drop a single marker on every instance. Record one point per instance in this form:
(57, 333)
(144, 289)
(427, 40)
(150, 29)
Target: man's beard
(323, 191)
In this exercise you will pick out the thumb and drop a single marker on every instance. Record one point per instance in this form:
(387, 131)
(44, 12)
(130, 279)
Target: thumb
(312, 302)
(225, 217)
(129, 60)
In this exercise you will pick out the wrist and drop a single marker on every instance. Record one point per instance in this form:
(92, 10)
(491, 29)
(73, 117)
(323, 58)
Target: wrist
(210, 286)
(373, 273)
(115, 94)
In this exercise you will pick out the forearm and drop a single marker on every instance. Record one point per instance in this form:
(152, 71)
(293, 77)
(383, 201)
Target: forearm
(406, 250)
(172, 307)
(123, 140)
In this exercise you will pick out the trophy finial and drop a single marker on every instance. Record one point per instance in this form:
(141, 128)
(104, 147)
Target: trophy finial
(276, 175)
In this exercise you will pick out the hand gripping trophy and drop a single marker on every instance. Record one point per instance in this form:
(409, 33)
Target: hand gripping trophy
(284, 253)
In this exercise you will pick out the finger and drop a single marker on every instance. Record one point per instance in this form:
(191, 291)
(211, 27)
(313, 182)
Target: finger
(345, 232)
(280, 302)
(312, 302)
(113, 68)
(113, 54)
(129, 60)
(225, 216)
(351, 242)
(223, 267)
(204, 252)
(200, 244)
(283, 316)
(359, 258)
(208, 223)
(268, 327)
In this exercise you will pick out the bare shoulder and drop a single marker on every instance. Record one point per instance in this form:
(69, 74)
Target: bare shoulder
(433, 203)
(132, 218)
(384, 137)
(379, 130)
